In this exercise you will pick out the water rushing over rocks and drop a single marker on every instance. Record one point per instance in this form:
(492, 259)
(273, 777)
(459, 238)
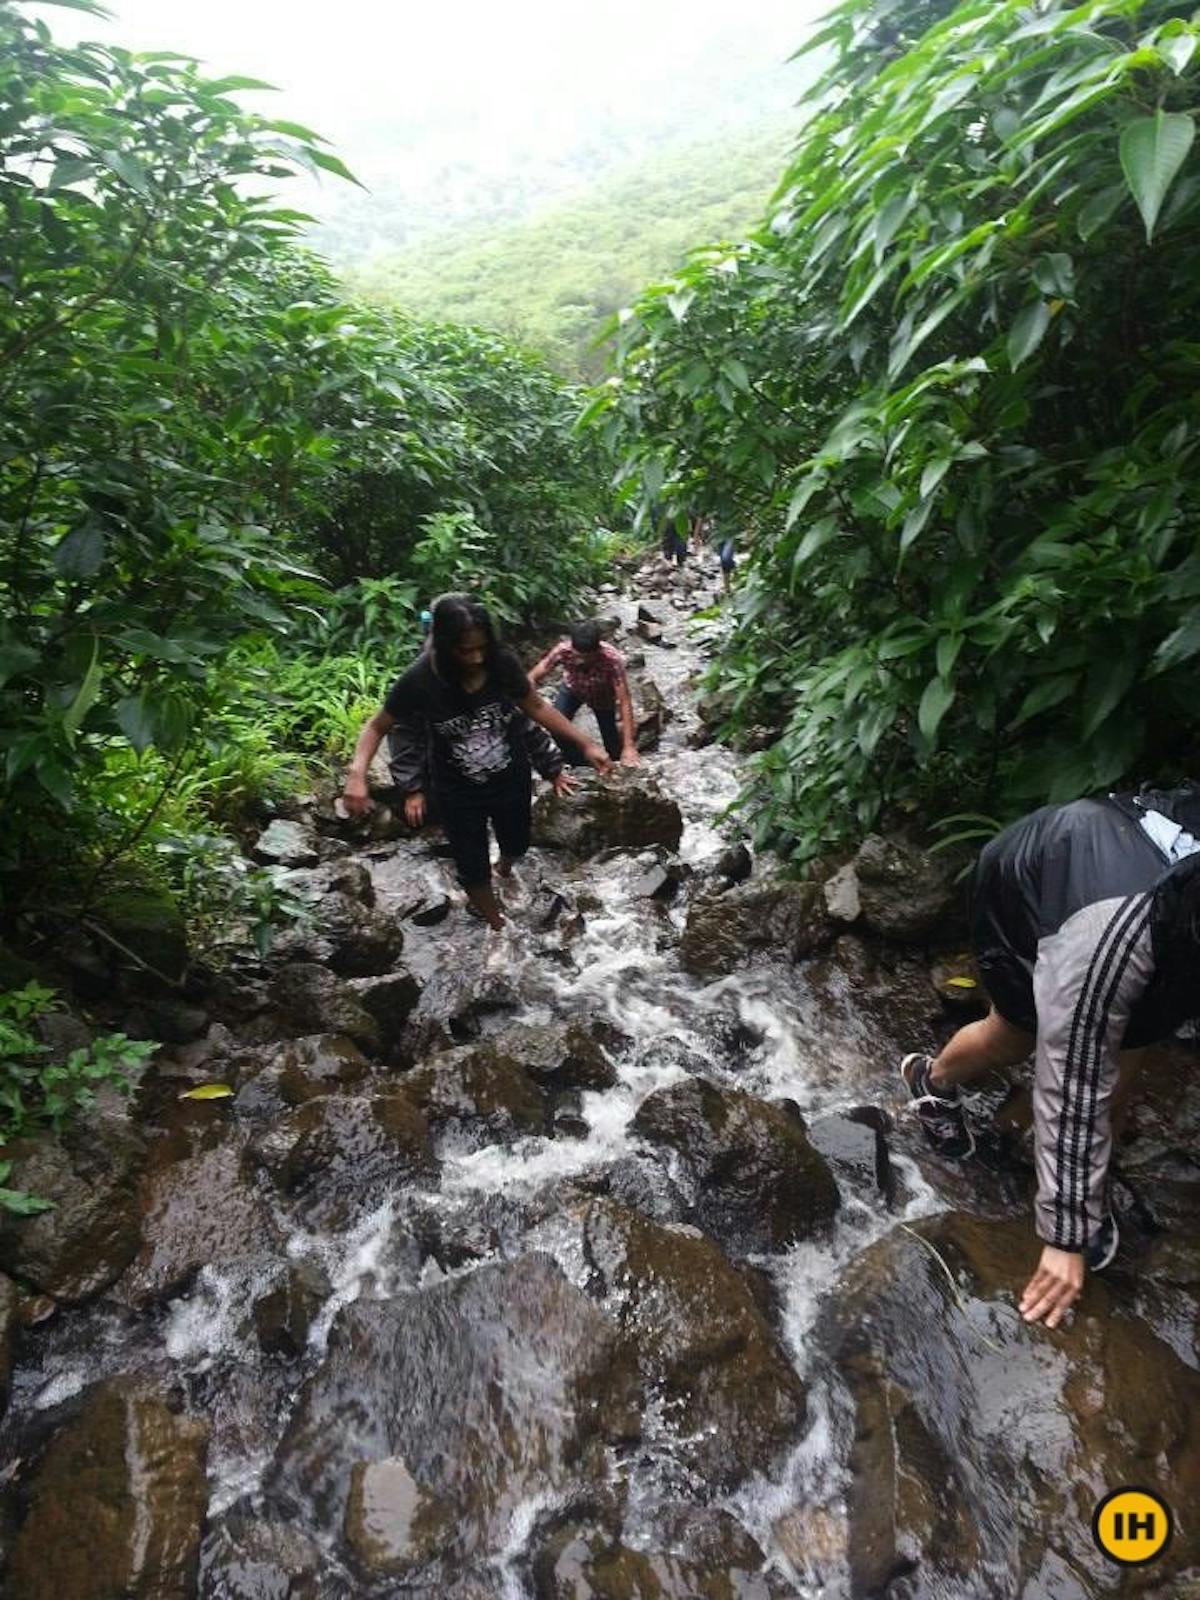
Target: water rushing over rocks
(588, 1260)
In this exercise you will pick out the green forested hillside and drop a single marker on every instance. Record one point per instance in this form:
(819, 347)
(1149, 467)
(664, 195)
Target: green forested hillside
(554, 281)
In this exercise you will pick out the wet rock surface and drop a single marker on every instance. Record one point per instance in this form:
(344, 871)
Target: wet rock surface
(590, 1260)
(757, 1181)
(84, 1244)
(477, 1393)
(630, 809)
(982, 1445)
(119, 1499)
(723, 930)
(730, 1401)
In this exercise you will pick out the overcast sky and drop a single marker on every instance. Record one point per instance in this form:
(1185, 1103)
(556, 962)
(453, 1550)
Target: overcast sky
(342, 65)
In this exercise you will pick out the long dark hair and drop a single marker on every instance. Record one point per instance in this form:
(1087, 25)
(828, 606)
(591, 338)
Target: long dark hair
(454, 615)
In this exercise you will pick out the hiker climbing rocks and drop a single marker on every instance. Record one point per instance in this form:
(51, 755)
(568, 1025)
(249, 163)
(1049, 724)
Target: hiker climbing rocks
(468, 696)
(593, 675)
(1086, 928)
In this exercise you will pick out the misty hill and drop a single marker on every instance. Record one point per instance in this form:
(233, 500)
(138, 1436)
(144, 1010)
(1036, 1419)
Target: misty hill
(586, 100)
(552, 282)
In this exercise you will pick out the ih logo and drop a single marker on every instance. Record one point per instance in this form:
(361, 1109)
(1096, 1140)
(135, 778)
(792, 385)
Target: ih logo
(1132, 1526)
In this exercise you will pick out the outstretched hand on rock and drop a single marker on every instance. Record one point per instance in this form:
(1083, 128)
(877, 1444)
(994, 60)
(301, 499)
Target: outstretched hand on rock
(564, 783)
(355, 797)
(599, 758)
(1054, 1287)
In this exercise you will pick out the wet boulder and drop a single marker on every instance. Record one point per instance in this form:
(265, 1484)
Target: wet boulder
(146, 923)
(478, 1095)
(321, 1064)
(247, 1558)
(344, 876)
(729, 1400)
(311, 999)
(628, 808)
(346, 935)
(651, 713)
(389, 999)
(286, 844)
(724, 930)
(757, 1182)
(735, 864)
(341, 1153)
(876, 996)
(982, 1444)
(284, 1316)
(581, 1563)
(392, 1525)
(854, 1143)
(116, 1504)
(905, 893)
(195, 1211)
(559, 1056)
(91, 1175)
(454, 1406)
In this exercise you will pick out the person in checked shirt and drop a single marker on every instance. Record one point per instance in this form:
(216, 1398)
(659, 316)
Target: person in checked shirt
(593, 675)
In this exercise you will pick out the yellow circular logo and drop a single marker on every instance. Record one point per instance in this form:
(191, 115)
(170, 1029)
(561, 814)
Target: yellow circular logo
(1132, 1526)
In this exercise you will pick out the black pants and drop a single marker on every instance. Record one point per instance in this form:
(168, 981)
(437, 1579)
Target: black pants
(465, 817)
(606, 720)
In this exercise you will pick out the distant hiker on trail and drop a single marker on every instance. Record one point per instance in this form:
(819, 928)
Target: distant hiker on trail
(593, 675)
(674, 545)
(1086, 927)
(468, 696)
(725, 554)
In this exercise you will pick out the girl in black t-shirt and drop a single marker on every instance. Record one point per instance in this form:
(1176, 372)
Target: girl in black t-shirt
(466, 696)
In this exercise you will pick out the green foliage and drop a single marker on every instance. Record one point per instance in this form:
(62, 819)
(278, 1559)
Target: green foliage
(35, 1093)
(948, 391)
(197, 434)
(554, 280)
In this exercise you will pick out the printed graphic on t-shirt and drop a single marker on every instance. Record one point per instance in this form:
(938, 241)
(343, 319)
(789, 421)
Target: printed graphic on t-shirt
(478, 741)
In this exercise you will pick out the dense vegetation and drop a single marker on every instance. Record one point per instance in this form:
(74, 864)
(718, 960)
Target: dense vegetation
(555, 281)
(948, 391)
(198, 437)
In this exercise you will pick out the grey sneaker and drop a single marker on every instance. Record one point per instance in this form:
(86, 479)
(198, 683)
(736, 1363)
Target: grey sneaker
(941, 1114)
(1103, 1245)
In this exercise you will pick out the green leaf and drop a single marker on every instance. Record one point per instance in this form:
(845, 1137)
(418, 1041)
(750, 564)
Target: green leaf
(128, 170)
(322, 158)
(1100, 209)
(815, 538)
(1108, 682)
(1055, 275)
(933, 474)
(1050, 692)
(1152, 151)
(736, 373)
(948, 647)
(1177, 647)
(16, 659)
(1027, 332)
(1177, 46)
(935, 702)
(136, 719)
(80, 553)
(207, 1091)
(888, 219)
(86, 698)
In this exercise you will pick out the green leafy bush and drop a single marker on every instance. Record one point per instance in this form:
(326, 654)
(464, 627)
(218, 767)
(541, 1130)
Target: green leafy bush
(35, 1093)
(947, 392)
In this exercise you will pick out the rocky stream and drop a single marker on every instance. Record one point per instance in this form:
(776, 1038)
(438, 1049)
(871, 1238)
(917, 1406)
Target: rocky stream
(596, 1260)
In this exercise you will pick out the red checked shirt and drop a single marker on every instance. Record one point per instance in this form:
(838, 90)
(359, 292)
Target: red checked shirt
(593, 677)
